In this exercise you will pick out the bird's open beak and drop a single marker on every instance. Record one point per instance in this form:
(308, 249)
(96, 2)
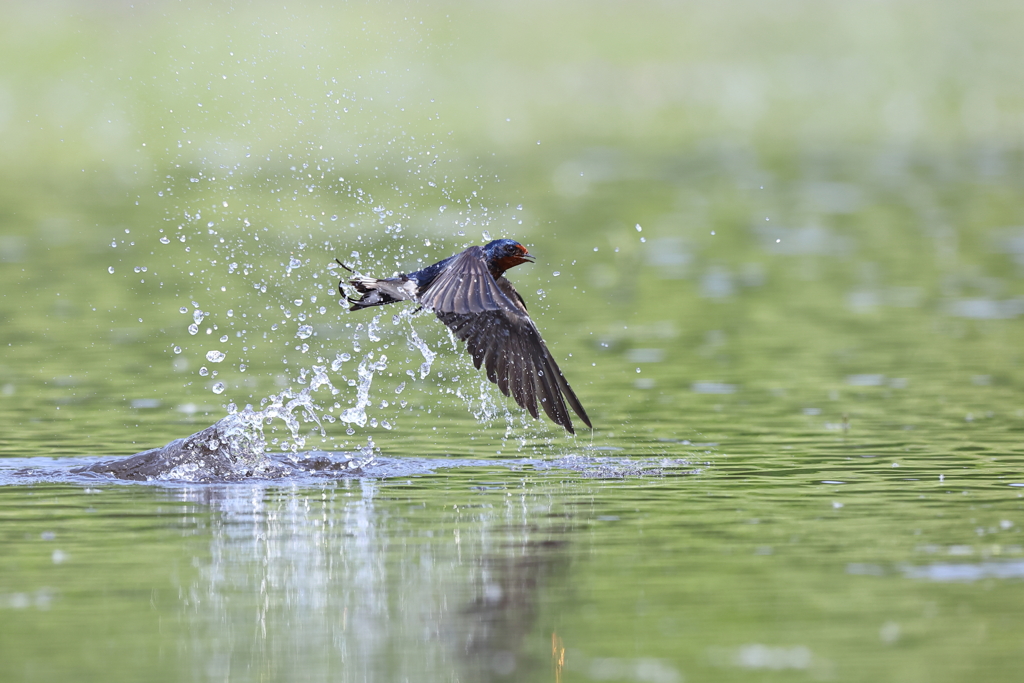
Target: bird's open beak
(527, 256)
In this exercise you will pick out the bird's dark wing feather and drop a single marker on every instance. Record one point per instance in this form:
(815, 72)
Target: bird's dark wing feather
(489, 315)
(465, 286)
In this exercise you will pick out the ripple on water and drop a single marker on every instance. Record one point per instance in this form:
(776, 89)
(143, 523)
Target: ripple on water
(966, 572)
(233, 450)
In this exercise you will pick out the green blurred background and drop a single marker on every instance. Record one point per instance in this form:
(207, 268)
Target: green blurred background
(826, 191)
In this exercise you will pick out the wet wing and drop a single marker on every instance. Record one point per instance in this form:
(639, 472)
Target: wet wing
(490, 317)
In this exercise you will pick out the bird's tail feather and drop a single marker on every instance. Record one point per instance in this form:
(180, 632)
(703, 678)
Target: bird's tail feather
(372, 291)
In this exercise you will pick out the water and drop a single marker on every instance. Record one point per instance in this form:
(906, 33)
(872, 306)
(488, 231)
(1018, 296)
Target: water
(471, 570)
(784, 279)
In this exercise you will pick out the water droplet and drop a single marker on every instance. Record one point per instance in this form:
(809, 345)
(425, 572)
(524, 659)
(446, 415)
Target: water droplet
(224, 339)
(138, 269)
(334, 218)
(183, 309)
(110, 270)
(177, 349)
(305, 331)
(557, 273)
(193, 329)
(214, 356)
(218, 388)
(165, 240)
(638, 228)
(203, 371)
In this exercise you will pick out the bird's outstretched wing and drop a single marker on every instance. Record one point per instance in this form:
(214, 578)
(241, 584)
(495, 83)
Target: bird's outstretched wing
(489, 315)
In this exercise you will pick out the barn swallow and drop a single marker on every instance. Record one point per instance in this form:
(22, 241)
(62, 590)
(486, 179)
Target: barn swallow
(470, 294)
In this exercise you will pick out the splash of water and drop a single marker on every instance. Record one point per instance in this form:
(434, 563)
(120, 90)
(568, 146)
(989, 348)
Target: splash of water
(233, 449)
(320, 379)
(367, 367)
(414, 338)
(373, 328)
(485, 407)
(283, 406)
(233, 445)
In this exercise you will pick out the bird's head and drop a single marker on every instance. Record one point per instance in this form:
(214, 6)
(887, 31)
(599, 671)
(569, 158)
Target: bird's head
(505, 254)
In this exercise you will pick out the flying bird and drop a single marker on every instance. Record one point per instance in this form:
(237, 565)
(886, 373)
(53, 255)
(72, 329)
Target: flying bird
(470, 294)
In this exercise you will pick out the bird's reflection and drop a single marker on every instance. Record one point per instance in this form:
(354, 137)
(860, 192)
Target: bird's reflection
(361, 582)
(502, 614)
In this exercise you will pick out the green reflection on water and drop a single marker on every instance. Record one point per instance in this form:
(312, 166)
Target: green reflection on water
(868, 332)
(468, 575)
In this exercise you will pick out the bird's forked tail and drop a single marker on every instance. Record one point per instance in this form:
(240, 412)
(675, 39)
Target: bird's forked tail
(376, 292)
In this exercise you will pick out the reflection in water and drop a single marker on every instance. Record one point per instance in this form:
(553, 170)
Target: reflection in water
(492, 628)
(363, 583)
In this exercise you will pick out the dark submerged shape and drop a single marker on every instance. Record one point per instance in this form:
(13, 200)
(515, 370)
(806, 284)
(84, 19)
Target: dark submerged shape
(231, 449)
(469, 293)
